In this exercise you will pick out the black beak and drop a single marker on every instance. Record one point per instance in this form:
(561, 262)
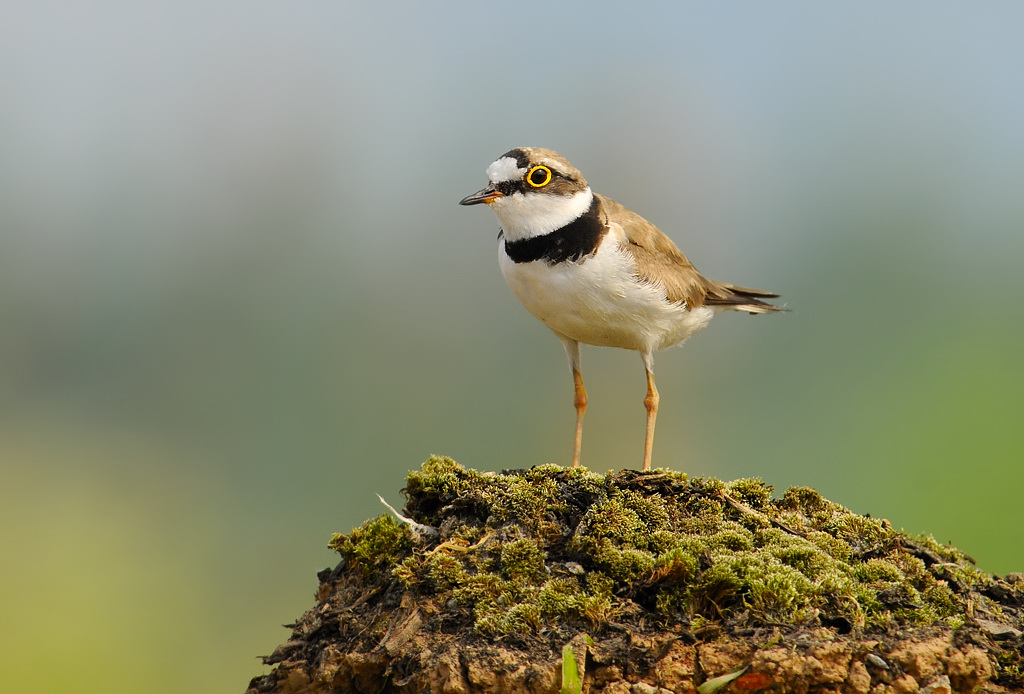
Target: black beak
(487, 195)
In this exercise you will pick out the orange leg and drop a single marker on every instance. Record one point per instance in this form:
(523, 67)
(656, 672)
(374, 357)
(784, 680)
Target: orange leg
(581, 407)
(651, 403)
(572, 350)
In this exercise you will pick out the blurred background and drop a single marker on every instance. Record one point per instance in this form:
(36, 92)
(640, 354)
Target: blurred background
(238, 297)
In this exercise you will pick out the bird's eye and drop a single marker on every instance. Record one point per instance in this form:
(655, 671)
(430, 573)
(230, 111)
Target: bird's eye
(539, 176)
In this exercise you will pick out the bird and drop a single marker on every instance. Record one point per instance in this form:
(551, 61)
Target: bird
(596, 273)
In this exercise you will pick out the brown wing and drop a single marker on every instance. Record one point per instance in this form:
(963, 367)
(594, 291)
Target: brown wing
(661, 263)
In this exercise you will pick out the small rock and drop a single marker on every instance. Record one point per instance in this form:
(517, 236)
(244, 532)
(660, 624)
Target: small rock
(877, 661)
(998, 631)
(574, 567)
(940, 685)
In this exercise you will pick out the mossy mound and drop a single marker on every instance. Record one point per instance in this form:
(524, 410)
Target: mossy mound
(528, 560)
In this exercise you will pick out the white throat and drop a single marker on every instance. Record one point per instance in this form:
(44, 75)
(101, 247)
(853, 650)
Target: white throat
(525, 215)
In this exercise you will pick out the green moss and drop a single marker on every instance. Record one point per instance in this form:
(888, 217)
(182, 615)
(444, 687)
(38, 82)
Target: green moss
(649, 509)
(859, 532)
(809, 503)
(376, 544)
(442, 476)
(445, 571)
(482, 588)
(877, 570)
(681, 564)
(497, 619)
(729, 536)
(510, 547)
(752, 492)
(522, 560)
(830, 545)
(561, 598)
(614, 520)
(942, 600)
(531, 502)
(407, 572)
(956, 621)
(623, 564)
(778, 592)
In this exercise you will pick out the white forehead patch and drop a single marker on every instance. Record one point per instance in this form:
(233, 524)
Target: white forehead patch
(504, 170)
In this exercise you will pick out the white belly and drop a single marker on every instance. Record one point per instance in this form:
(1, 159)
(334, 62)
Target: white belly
(600, 302)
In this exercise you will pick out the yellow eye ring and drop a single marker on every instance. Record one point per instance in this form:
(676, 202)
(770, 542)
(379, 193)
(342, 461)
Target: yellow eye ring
(532, 175)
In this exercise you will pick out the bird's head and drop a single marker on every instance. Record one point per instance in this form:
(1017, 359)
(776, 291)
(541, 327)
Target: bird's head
(533, 191)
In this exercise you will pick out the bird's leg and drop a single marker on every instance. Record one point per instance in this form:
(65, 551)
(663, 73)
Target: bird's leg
(572, 350)
(651, 403)
(581, 407)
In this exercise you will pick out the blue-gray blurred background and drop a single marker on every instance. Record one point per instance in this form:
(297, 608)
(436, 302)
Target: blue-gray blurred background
(238, 298)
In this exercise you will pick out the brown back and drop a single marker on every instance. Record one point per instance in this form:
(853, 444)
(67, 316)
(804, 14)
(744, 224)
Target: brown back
(660, 262)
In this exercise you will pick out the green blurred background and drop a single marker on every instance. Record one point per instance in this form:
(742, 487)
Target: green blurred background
(238, 298)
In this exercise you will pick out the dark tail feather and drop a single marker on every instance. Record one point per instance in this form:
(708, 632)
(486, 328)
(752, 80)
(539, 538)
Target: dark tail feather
(742, 299)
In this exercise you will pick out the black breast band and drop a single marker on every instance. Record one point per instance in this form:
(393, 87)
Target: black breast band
(576, 240)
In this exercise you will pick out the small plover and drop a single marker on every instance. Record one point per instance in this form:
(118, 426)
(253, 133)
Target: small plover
(597, 273)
